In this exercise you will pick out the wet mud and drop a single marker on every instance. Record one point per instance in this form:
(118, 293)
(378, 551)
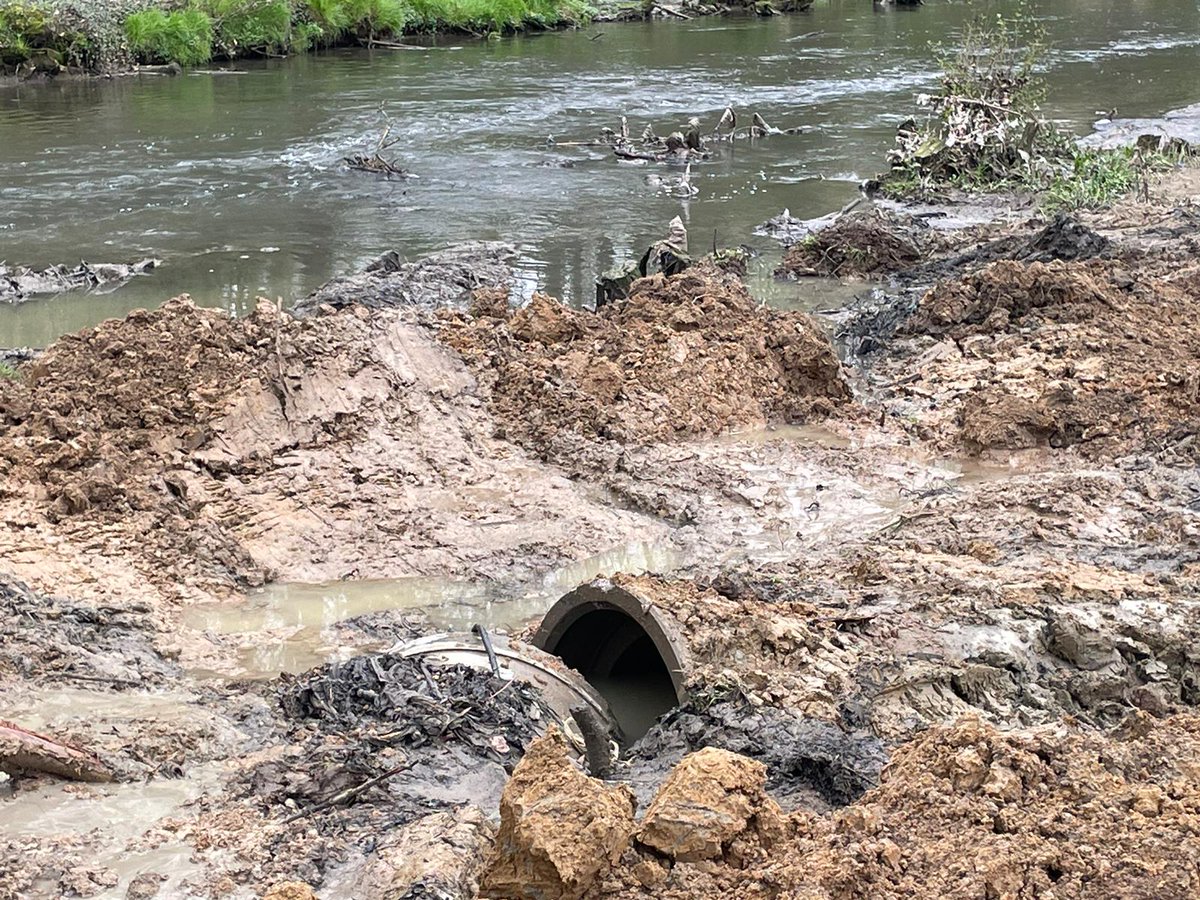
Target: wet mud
(936, 595)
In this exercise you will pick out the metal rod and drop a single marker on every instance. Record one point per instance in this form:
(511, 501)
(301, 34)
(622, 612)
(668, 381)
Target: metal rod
(487, 645)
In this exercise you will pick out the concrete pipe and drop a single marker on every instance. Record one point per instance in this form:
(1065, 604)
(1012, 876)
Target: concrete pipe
(628, 650)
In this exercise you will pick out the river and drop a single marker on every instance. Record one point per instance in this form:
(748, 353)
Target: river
(236, 181)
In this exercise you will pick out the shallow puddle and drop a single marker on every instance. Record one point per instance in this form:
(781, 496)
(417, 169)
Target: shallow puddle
(301, 612)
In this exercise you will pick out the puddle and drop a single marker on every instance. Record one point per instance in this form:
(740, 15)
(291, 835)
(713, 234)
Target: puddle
(817, 435)
(118, 814)
(301, 612)
(114, 816)
(37, 708)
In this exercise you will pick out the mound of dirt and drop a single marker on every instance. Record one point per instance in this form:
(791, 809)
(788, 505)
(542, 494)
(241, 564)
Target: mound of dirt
(682, 357)
(875, 242)
(202, 453)
(1029, 354)
(559, 829)
(968, 811)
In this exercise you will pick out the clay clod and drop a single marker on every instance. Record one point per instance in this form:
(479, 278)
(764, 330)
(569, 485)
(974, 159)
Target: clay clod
(559, 829)
(712, 798)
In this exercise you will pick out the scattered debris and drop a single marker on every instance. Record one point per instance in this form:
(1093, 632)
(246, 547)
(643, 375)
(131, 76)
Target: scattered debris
(443, 279)
(867, 242)
(18, 284)
(376, 163)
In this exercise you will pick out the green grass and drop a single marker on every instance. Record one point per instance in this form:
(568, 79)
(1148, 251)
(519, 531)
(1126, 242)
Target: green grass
(1098, 177)
(192, 32)
(184, 36)
(370, 19)
(28, 31)
(8, 372)
(249, 27)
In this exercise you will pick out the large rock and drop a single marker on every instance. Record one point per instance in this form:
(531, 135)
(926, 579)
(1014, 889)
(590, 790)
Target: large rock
(439, 855)
(712, 798)
(559, 829)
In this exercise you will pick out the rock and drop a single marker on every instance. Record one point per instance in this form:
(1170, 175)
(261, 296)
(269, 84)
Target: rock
(440, 855)
(144, 886)
(711, 798)
(1070, 638)
(290, 890)
(559, 830)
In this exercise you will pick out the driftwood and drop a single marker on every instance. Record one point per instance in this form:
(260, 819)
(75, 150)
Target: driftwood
(28, 751)
(376, 163)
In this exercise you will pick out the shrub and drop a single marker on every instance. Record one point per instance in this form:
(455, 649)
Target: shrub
(986, 130)
(27, 30)
(331, 19)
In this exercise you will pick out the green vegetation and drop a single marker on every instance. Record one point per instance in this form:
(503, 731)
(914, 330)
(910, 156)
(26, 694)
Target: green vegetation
(49, 34)
(184, 36)
(987, 133)
(31, 34)
(7, 371)
(1098, 177)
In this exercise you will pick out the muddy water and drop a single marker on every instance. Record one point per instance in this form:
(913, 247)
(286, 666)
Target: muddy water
(235, 179)
(299, 614)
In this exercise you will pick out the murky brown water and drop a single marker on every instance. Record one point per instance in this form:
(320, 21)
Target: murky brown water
(235, 181)
(300, 613)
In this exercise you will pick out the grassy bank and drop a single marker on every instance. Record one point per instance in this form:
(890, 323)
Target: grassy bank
(94, 35)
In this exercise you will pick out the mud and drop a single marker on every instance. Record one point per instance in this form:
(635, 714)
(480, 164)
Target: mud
(445, 279)
(867, 243)
(682, 357)
(19, 283)
(941, 637)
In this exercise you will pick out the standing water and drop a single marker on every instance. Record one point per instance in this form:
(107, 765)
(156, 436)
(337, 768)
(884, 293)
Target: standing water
(236, 181)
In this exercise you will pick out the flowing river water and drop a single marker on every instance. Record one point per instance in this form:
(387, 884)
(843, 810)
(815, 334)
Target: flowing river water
(236, 181)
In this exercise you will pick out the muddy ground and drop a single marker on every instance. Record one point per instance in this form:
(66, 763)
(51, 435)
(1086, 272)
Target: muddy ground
(938, 577)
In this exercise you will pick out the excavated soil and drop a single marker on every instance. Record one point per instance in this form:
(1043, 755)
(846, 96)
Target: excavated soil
(1061, 354)
(684, 357)
(182, 454)
(964, 811)
(943, 644)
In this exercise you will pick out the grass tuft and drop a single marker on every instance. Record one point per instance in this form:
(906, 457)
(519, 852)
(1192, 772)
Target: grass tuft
(184, 36)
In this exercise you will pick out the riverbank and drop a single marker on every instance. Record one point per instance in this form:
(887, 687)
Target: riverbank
(44, 38)
(922, 589)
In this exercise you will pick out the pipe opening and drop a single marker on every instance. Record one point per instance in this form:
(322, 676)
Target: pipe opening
(627, 658)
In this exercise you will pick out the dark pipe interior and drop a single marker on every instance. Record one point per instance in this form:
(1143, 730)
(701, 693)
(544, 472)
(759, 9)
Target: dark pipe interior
(619, 659)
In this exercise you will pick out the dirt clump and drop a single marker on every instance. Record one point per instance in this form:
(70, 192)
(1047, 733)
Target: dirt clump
(966, 810)
(866, 244)
(711, 799)
(559, 829)
(681, 357)
(290, 890)
(969, 811)
(446, 278)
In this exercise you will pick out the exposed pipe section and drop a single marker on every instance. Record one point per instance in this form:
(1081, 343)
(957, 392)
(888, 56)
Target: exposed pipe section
(626, 649)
